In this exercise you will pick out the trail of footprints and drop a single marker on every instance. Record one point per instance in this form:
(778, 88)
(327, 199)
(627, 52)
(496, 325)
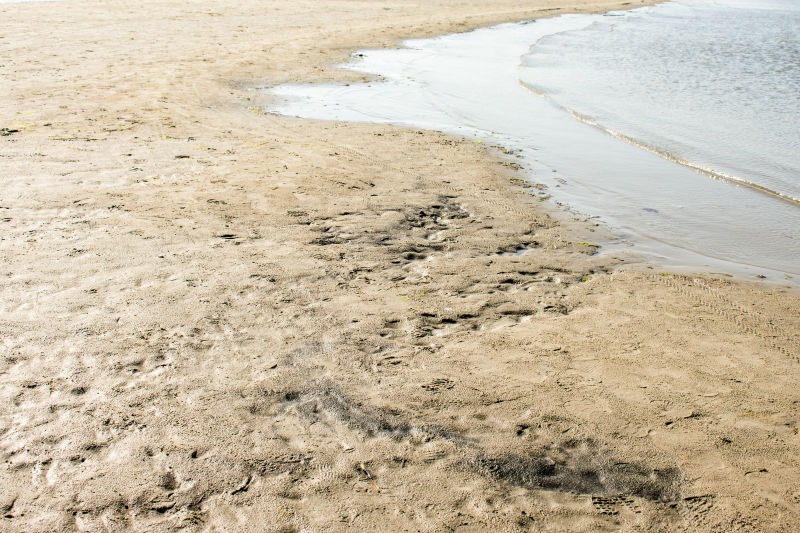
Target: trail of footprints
(420, 235)
(695, 510)
(411, 239)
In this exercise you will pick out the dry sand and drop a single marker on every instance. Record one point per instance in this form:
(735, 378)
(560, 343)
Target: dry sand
(221, 320)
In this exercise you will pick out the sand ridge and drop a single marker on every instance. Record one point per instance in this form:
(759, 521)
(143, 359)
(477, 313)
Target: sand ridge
(219, 319)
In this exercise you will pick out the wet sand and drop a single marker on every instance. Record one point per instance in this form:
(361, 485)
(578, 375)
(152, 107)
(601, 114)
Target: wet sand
(216, 319)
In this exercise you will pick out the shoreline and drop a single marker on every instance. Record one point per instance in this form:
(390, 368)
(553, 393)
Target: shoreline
(436, 102)
(220, 319)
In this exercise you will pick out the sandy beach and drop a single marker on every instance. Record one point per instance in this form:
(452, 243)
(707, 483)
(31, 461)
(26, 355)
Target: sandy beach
(219, 319)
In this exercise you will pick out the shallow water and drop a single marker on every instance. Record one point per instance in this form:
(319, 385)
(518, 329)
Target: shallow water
(715, 84)
(469, 84)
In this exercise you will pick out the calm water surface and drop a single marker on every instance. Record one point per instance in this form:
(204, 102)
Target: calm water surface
(716, 84)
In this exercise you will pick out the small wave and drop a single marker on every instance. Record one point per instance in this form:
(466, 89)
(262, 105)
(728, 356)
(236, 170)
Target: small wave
(714, 174)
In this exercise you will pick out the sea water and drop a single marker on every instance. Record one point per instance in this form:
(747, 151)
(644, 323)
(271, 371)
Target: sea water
(714, 84)
(674, 124)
